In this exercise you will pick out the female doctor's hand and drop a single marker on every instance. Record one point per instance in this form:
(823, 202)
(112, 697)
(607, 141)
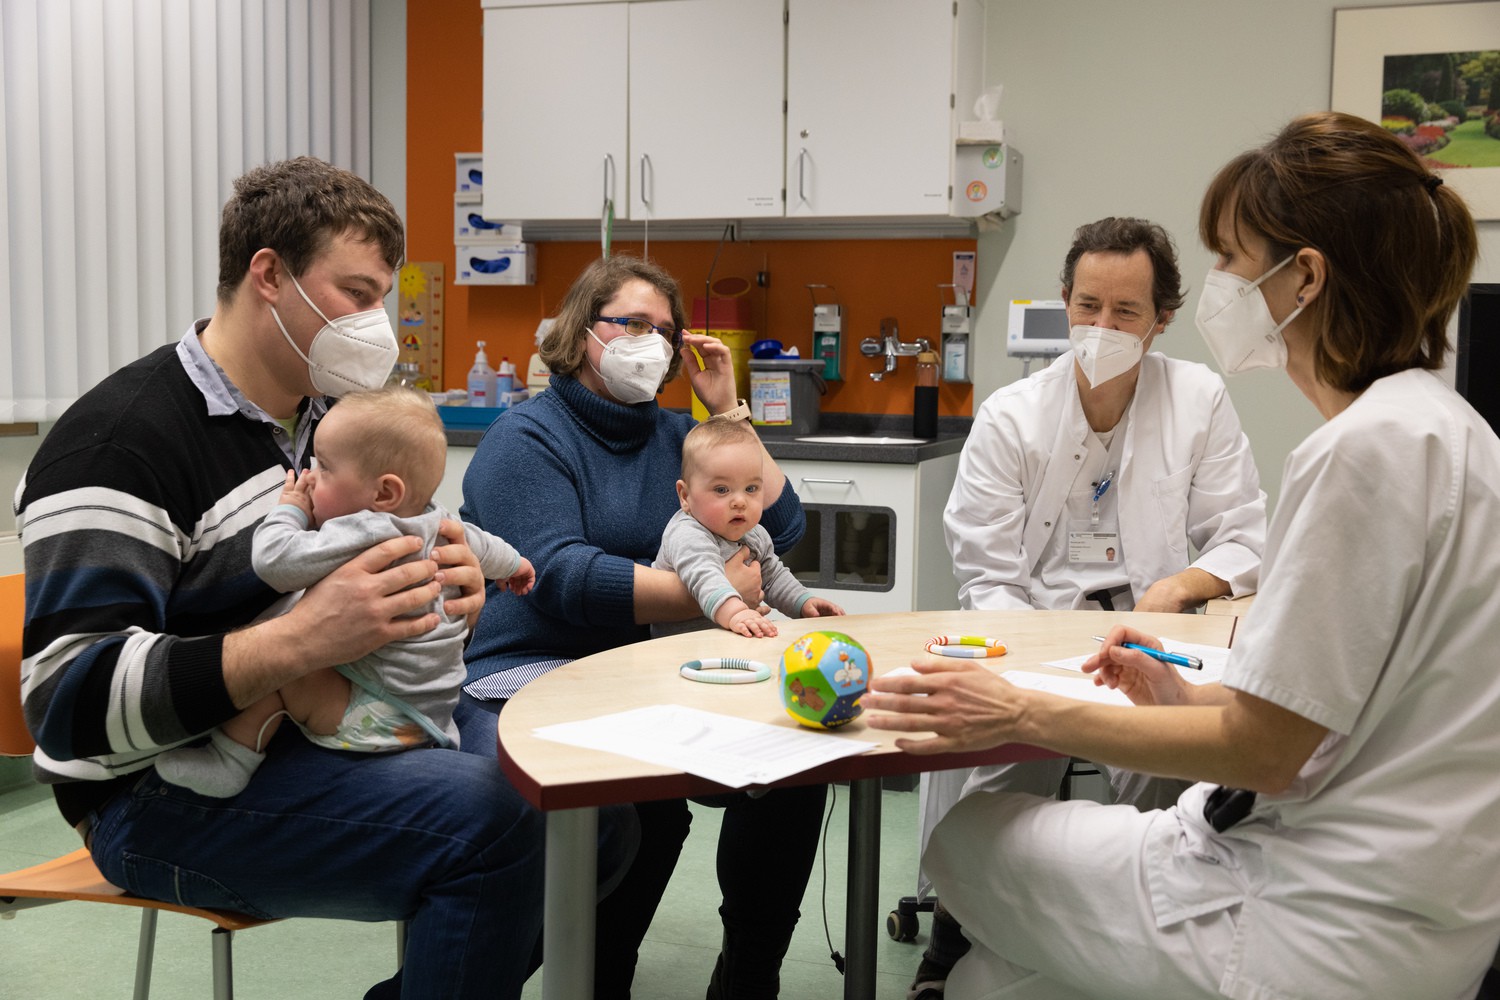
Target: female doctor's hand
(1140, 678)
(713, 383)
(966, 705)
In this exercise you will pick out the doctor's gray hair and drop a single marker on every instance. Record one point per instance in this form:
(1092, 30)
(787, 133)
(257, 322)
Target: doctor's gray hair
(1126, 236)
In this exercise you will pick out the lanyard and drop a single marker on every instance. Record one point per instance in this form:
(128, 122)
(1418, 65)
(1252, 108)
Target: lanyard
(1111, 465)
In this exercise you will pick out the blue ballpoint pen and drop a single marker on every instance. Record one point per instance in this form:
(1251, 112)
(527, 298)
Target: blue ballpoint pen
(1176, 659)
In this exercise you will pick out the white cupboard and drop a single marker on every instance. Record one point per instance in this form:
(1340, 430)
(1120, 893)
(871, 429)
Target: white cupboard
(670, 109)
(870, 93)
(725, 109)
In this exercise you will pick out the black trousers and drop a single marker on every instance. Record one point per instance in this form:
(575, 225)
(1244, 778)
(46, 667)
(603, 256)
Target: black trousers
(767, 847)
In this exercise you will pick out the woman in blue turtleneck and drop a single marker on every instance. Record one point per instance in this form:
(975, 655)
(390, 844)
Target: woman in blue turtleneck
(582, 479)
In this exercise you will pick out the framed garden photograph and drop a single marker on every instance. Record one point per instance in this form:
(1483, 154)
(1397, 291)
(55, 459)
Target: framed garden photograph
(1430, 73)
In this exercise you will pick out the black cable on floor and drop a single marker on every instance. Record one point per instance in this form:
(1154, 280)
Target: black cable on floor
(833, 953)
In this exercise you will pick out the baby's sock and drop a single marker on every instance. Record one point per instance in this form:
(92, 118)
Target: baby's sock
(220, 769)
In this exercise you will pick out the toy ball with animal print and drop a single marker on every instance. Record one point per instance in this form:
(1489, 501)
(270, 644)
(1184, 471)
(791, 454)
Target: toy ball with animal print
(823, 676)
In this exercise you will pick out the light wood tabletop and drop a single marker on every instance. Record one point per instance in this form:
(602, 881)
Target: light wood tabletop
(569, 783)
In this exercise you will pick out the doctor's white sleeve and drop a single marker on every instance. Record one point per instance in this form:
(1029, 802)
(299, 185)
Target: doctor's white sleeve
(1226, 506)
(984, 521)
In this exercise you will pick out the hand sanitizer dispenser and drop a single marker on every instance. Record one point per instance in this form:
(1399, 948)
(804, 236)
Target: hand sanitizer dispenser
(482, 380)
(828, 332)
(957, 322)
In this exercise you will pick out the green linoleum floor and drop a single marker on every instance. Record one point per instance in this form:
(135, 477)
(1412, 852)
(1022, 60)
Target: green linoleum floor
(76, 950)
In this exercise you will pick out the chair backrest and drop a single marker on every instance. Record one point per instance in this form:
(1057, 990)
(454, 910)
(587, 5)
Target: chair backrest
(15, 738)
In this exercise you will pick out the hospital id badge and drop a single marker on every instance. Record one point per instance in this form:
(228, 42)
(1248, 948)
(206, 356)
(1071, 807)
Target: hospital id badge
(1093, 543)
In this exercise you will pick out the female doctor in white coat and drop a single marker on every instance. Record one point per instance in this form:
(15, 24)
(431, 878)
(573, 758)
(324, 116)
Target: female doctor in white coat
(1344, 839)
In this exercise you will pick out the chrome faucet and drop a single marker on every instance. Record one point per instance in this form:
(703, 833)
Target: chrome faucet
(891, 346)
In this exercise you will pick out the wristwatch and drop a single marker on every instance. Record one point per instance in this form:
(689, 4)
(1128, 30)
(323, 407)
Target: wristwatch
(740, 412)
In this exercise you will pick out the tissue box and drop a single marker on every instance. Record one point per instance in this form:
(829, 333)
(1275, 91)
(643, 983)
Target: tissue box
(495, 264)
(982, 132)
(469, 226)
(987, 179)
(468, 173)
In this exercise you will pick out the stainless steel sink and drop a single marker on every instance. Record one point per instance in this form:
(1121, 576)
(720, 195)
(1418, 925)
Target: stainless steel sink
(859, 439)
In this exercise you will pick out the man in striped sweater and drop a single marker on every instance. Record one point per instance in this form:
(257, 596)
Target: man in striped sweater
(146, 626)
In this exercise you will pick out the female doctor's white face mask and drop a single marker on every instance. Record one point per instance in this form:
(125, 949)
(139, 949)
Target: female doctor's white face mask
(1103, 353)
(352, 352)
(632, 368)
(1237, 324)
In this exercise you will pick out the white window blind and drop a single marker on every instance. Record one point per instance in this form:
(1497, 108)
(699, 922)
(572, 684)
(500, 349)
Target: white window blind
(125, 124)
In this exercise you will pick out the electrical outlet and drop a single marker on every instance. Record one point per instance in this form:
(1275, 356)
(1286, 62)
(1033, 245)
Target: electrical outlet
(763, 279)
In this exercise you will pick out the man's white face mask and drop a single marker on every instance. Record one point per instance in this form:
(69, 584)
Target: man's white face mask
(1104, 354)
(352, 352)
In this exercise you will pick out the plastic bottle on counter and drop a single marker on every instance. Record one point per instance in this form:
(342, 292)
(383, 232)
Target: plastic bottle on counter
(482, 380)
(506, 380)
(925, 397)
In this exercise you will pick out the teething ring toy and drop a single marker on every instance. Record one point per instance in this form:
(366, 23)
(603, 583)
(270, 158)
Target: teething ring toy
(737, 671)
(969, 647)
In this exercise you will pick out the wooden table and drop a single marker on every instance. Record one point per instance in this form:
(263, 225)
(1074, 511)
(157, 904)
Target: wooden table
(570, 783)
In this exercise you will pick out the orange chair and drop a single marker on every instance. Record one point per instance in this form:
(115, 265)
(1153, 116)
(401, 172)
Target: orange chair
(74, 875)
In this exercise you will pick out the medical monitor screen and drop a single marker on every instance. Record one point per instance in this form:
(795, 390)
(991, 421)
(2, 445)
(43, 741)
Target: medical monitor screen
(1477, 365)
(1037, 327)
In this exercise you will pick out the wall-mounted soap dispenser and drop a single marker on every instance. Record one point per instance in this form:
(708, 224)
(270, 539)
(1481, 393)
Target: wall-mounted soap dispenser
(828, 333)
(957, 323)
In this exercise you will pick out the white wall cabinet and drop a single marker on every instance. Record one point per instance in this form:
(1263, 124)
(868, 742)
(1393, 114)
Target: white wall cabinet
(725, 109)
(555, 141)
(871, 89)
(671, 108)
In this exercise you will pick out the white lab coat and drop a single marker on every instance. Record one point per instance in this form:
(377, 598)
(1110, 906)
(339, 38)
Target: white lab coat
(1377, 873)
(1186, 477)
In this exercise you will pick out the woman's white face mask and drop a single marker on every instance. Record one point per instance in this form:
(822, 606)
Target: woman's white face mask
(352, 352)
(1237, 324)
(632, 368)
(1103, 353)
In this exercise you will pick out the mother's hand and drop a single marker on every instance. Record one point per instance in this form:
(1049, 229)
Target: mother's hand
(713, 383)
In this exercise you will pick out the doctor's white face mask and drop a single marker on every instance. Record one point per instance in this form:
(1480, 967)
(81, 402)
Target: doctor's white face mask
(1103, 353)
(1237, 324)
(352, 352)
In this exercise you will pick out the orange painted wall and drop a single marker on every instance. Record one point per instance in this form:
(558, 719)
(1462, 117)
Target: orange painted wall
(872, 279)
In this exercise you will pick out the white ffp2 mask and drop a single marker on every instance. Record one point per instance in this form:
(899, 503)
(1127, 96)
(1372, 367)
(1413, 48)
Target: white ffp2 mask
(352, 352)
(1237, 325)
(1103, 353)
(632, 367)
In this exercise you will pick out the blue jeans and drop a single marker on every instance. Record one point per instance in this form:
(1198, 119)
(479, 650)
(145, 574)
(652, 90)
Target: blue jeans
(435, 837)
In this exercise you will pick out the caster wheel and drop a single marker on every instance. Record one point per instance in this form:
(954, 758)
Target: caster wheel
(901, 926)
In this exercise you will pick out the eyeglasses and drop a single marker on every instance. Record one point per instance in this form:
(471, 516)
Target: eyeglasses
(639, 328)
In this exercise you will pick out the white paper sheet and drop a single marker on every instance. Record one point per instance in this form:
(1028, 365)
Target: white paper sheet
(1081, 688)
(1215, 659)
(732, 751)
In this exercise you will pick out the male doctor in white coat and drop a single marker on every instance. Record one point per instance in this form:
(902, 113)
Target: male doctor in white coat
(1088, 486)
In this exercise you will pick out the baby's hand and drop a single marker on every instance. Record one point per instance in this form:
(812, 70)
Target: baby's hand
(298, 490)
(820, 607)
(751, 623)
(521, 581)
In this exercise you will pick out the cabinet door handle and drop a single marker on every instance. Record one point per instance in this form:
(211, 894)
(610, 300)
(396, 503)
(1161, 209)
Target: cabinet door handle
(828, 482)
(802, 175)
(645, 166)
(609, 176)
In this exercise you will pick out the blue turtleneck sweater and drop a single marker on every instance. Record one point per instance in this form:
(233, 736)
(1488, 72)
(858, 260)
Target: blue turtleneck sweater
(583, 487)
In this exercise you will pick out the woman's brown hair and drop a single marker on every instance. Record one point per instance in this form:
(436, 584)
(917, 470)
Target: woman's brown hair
(566, 343)
(1400, 245)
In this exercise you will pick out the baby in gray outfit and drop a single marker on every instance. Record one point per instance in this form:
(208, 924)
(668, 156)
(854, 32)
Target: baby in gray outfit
(379, 459)
(720, 493)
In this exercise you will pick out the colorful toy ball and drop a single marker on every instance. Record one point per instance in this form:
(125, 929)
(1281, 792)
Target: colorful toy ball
(823, 676)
